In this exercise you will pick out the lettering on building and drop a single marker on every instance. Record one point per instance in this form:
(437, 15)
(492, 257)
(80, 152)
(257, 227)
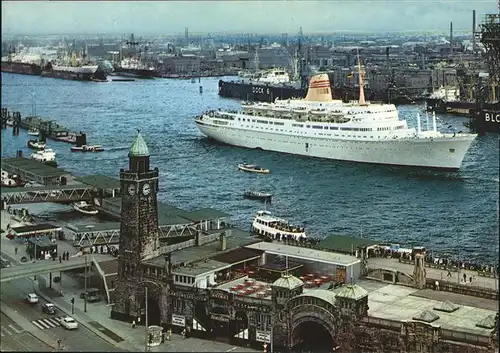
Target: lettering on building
(219, 294)
(494, 118)
(262, 336)
(219, 317)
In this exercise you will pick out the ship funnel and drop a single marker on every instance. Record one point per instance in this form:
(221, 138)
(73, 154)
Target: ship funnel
(319, 89)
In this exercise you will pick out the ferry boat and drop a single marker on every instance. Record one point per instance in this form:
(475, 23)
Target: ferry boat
(46, 156)
(318, 126)
(86, 208)
(264, 224)
(36, 145)
(85, 148)
(33, 132)
(253, 168)
(257, 195)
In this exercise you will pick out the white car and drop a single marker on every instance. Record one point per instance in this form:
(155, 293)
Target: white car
(32, 298)
(69, 323)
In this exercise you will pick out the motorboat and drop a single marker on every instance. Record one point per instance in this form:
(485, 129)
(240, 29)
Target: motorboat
(257, 195)
(253, 168)
(46, 156)
(33, 132)
(266, 225)
(85, 148)
(36, 145)
(86, 208)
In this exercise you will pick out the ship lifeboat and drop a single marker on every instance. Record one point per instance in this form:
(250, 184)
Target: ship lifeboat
(253, 168)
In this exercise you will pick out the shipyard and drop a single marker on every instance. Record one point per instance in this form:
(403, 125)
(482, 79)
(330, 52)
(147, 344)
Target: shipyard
(179, 186)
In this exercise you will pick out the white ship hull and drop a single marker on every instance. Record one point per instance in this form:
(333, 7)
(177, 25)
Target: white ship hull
(440, 152)
(87, 69)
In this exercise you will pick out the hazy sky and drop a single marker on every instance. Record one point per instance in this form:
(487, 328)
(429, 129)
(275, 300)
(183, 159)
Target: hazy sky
(144, 17)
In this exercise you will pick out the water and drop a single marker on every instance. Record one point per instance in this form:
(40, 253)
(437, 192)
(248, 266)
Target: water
(448, 212)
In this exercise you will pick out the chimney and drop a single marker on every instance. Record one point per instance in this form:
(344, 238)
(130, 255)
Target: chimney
(451, 37)
(473, 31)
(223, 241)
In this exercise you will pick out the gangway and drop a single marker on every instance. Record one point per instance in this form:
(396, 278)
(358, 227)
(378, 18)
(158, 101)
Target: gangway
(47, 266)
(50, 193)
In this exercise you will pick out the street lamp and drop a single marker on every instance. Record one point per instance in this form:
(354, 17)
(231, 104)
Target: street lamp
(146, 345)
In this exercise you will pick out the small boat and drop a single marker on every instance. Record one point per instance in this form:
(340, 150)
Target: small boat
(33, 132)
(257, 195)
(85, 148)
(36, 145)
(84, 207)
(253, 168)
(47, 156)
(12, 181)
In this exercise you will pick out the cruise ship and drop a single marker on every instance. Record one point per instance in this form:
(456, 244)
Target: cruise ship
(319, 126)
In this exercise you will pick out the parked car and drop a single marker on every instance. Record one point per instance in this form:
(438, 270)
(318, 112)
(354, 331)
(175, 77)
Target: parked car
(69, 323)
(32, 298)
(49, 308)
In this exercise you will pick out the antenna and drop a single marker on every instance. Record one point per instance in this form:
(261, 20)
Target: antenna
(361, 100)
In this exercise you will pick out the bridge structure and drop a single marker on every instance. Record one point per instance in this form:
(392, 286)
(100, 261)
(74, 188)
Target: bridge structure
(46, 266)
(49, 193)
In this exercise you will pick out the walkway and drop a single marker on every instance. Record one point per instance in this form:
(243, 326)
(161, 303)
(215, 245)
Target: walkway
(437, 274)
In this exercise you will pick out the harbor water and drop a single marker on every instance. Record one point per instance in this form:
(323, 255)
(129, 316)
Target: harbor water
(450, 213)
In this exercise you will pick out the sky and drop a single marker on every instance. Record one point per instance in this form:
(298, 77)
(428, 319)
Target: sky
(171, 17)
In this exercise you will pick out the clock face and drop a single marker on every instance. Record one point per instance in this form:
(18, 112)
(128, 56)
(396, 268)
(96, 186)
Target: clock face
(146, 189)
(131, 189)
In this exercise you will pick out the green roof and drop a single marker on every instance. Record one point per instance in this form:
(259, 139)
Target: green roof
(32, 166)
(344, 244)
(139, 147)
(204, 214)
(99, 181)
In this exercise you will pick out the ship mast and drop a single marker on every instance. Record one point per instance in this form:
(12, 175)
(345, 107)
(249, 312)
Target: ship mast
(256, 59)
(361, 73)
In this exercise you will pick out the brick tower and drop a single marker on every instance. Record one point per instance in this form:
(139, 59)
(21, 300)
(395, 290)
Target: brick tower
(138, 231)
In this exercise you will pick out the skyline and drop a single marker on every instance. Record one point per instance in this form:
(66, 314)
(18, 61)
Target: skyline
(376, 16)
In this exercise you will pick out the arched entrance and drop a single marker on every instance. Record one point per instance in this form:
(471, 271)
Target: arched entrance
(220, 323)
(154, 315)
(312, 335)
(239, 326)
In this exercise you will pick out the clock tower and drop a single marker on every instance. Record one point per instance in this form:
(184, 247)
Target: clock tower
(139, 235)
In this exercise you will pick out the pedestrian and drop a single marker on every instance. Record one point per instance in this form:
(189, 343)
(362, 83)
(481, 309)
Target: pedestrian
(470, 279)
(15, 250)
(139, 320)
(465, 277)
(449, 274)
(183, 333)
(169, 334)
(133, 323)
(60, 259)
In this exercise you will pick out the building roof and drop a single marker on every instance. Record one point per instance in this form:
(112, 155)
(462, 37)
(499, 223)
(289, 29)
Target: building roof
(426, 316)
(344, 244)
(350, 291)
(94, 227)
(34, 167)
(447, 307)
(35, 229)
(200, 268)
(323, 294)
(305, 253)
(288, 282)
(139, 147)
(42, 242)
(488, 322)
(237, 256)
(99, 181)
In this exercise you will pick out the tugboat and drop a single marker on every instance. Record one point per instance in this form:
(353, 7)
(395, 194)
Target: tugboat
(47, 156)
(84, 207)
(36, 145)
(253, 168)
(85, 148)
(266, 225)
(33, 132)
(257, 195)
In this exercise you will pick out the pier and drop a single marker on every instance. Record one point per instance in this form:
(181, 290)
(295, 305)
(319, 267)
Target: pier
(48, 128)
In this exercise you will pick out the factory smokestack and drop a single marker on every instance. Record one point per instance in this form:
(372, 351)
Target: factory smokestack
(474, 31)
(451, 37)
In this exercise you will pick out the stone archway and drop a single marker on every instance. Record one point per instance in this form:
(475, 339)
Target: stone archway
(312, 334)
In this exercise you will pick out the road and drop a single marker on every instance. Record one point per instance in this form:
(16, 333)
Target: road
(15, 338)
(82, 339)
